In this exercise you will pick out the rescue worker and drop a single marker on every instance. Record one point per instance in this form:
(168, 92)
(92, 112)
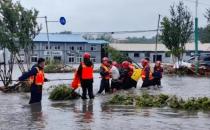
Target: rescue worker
(157, 74)
(126, 73)
(105, 75)
(146, 74)
(37, 79)
(115, 75)
(132, 68)
(85, 73)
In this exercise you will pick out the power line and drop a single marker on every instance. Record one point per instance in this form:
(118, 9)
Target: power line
(200, 3)
(118, 32)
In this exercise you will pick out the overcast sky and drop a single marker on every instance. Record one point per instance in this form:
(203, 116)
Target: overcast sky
(107, 15)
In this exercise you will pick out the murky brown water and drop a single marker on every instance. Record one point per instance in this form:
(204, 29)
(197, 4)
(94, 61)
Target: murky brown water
(93, 114)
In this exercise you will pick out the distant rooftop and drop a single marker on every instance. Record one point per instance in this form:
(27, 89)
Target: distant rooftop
(66, 38)
(56, 37)
(130, 47)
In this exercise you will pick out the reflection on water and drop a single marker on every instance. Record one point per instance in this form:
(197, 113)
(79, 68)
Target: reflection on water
(37, 115)
(96, 115)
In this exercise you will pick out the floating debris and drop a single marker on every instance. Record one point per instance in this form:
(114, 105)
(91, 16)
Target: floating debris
(63, 92)
(161, 100)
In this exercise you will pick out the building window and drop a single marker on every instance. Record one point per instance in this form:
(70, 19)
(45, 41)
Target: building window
(167, 54)
(46, 47)
(72, 48)
(136, 54)
(57, 59)
(93, 59)
(71, 58)
(79, 48)
(93, 48)
(147, 54)
(79, 58)
(57, 47)
(34, 59)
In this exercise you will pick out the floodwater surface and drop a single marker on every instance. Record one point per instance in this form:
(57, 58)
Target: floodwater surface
(95, 115)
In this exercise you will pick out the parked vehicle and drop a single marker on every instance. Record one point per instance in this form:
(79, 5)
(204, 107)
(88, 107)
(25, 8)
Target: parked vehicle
(203, 60)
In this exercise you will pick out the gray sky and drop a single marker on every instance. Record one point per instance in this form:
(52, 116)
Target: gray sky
(107, 15)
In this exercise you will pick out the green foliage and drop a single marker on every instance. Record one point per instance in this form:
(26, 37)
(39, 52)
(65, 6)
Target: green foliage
(162, 100)
(62, 92)
(122, 100)
(207, 15)
(177, 29)
(18, 27)
(116, 55)
(204, 34)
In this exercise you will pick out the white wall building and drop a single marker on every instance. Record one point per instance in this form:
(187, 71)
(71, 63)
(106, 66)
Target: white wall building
(139, 51)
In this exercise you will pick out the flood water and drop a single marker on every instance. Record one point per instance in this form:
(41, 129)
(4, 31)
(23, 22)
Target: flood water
(95, 115)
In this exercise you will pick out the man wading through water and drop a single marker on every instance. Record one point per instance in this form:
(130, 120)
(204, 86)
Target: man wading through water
(85, 73)
(36, 77)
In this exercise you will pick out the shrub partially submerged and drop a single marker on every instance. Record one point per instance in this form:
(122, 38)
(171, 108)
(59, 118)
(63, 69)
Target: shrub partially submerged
(122, 100)
(63, 92)
(162, 100)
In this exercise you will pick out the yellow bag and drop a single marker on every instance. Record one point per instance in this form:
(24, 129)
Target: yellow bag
(136, 74)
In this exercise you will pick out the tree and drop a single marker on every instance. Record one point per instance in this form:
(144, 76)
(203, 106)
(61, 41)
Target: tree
(18, 28)
(116, 55)
(207, 15)
(176, 30)
(204, 33)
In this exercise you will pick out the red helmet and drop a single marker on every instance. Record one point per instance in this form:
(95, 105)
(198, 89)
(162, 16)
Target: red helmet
(105, 59)
(86, 55)
(144, 62)
(125, 64)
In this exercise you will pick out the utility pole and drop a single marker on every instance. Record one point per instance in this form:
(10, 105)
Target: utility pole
(157, 35)
(48, 39)
(196, 37)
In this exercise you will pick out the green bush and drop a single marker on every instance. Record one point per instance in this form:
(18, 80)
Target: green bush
(121, 100)
(162, 100)
(63, 92)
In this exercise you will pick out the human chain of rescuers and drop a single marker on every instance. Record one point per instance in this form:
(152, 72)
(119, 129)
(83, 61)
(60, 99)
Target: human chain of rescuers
(123, 75)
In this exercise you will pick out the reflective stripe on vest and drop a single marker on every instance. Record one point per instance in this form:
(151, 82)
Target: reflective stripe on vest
(106, 70)
(39, 78)
(87, 72)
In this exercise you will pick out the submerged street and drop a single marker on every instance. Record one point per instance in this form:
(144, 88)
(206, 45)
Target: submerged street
(94, 114)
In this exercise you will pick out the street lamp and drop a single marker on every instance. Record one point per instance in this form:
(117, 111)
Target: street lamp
(62, 21)
(157, 35)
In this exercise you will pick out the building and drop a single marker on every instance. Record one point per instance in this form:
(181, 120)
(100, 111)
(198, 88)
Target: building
(66, 48)
(139, 51)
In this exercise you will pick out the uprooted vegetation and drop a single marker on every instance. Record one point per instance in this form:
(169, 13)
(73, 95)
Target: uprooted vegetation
(63, 92)
(161, 100)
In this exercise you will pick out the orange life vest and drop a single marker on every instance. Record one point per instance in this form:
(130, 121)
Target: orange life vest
(87, 72)
(144, 74)
(38, 79)
(106, 70)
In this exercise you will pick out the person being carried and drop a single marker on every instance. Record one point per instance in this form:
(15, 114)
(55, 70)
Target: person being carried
(105, 75)
(37, 78)
(85, 73)
(115, 75)
(157, 74)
